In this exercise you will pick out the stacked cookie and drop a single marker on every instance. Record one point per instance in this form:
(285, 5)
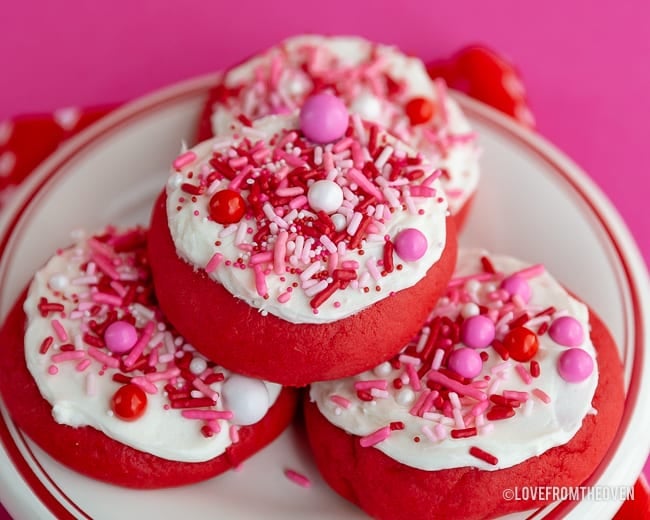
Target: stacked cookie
(309, 241)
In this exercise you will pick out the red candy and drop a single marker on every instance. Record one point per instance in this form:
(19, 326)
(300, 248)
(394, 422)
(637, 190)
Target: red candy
(521, 343)
(129, 402)
(227, 207)
(419, 110)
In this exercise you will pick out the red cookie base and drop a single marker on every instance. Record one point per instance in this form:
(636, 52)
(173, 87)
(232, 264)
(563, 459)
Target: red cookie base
(236, 336)
(386, 489)
(95, 455)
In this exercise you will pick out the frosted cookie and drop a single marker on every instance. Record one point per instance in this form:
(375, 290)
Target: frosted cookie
(94, 374)
(512, 381)
(284, 250)
(377, 82)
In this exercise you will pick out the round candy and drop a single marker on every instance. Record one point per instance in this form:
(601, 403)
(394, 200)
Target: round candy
(129, 402)
(367, 106)
(227, 207)
(521, 343)
(575, 365)
(120, 336)
(58, 282)
(339, 221)
(410, 244)
(323, 118)
(246, 398)
(325, 196)
(567, 331)
(465, 362)
(517, 285)
(198, 365)
(419, 110)
(477, 331)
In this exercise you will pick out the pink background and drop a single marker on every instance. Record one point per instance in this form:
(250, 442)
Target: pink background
(584, 63)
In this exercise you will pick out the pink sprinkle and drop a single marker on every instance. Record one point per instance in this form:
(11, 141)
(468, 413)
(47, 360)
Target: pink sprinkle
(332, 261)
(106, 266)
(260, 281)
(350, 264)
(371, 265)
(422, 191)
(441, 91)
(437, 358)
(455, 386)
(376, 437)
(381, 384)
(109, 299)
(145, 384)
(59, 330)
(458, 418)
(139, 346)
(310, 271)
(236, 183)
(414, 380)
(213, 263)
(530, 272)
(103, 358)
(513, 394)
(68, 356)
(297, 478)
(428, 433)
(214, 425)
(293, 191)
(461, 280)
(52, 370)
(523, 373)
(428, 403)
(362, 181)
(541, 395)
(479, 408)
(206, 415)
(341, 401)
(207, 391)
(184, 160)
(441, 431)
(82, 365)
(279, 252)
(233, 431)
(161, 376)
(418, 405)
(284, 297)
(432, 178)
(328, 244)
(261, 258)
(298, 202)
(405, 358)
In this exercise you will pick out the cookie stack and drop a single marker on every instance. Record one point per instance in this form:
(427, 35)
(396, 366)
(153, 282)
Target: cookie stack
(309, 240)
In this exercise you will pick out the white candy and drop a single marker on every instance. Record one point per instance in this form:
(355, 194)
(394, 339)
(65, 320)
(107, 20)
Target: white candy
(246, 398)
(58, 282)
(325, 196)
(383, 370)
(470, 309)
(405, 396)
(198, 365)
(367, 106)
(340, 221)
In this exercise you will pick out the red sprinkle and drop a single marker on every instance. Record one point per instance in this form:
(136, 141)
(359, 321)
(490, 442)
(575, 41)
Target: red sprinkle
(501, 350)
(322, 296)
(397, 425)
(45, 346)
(487, 265)
(389, 264)
(498, 413)
(534, 368)
(542, 329)
(464, 433)
(483, 455)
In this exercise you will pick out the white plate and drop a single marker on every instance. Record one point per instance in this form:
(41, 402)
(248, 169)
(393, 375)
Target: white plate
(533, 203)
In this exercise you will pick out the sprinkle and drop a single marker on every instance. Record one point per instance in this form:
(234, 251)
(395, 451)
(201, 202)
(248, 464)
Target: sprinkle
(414, 380)
(483, 455)
(139, 346)
(68, 356)
(109, 299)
(145, 384)
(376, 437)
(341, 401)
(59, 330)
(205, 389)
(464, 433)
(437, 358)
(362, 181)
(531, 272)
(458, 418)
(233, 431)
(297, 478)
(534, 368)
(498, 413)
(82, 365)
(416, 409)
(213, 263)
(541, 395)
(455, 386)
(103, 358)
(428, 433)
(183, 160)
(404, 358)
(207, 415)
(523, 373)
(46, 344)
(381, 384)
(440, 430)
(479, 408)
(513, 394)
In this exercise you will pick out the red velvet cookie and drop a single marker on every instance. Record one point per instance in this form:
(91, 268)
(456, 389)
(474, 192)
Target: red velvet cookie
(378, 82)
(450, 439)
(102, 357)
(285, 259)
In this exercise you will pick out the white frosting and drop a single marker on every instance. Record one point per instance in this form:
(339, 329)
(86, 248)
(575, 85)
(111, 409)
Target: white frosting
(536, 426)
(343, 58)
(195, 234)
(82, 397)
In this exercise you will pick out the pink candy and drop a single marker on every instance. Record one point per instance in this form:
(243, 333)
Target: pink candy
(477, 331)
(516, 285)
(567, 331)
(323, 118)
(410, 244)
(575, 365)
(120, 336)
(465, 362)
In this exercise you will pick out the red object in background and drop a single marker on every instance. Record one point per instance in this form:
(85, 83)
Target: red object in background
(485, 75)
(475, 70)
